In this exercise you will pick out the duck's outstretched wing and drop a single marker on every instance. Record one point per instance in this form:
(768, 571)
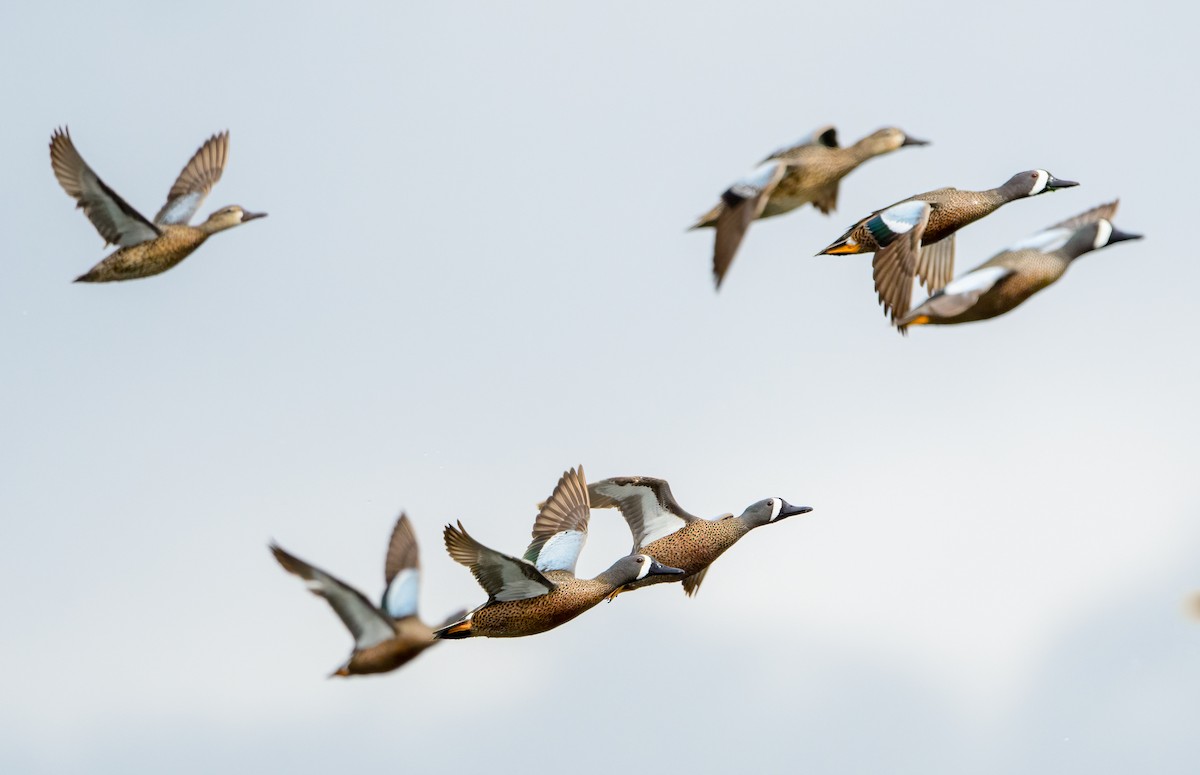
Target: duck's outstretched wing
(935, 264)
(402, 571)
(117, 222)
(560, 530)
(743, 202)
(822, 135)
(897, 230)
(198, 177)
(646, 504)
(503, 577)
(1099, 212)
(365, 622)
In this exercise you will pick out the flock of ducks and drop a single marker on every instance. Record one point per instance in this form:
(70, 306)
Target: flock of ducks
(539, 590)
(913, 239)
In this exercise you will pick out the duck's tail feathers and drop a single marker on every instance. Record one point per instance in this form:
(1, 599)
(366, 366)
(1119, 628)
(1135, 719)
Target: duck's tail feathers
(456, 631)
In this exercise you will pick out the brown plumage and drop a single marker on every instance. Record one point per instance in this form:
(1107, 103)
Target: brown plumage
(146, 248)
(540, 592)
(808, 172)
(664, 531)
(915, 237)
(385, 637)
(1010, 277)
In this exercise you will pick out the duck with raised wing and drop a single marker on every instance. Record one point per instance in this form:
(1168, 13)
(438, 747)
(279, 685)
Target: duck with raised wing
(146, 248)
(540, 591)
(915, 237)
(385, 637)
(1010, 277)
(664, 531)
(806, 172)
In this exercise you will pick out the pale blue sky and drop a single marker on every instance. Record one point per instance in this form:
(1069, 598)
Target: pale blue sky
(475, 275)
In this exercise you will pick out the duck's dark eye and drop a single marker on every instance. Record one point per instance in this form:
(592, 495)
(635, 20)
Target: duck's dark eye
(639, 561)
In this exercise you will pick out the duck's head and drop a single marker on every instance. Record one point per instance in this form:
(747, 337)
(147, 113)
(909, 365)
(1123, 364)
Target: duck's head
(228, 217)
(770, 510)
(636, 567)
(889, 139)
(1094, 236)
(1034, 182)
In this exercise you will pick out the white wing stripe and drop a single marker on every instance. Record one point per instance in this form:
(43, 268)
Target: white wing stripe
(979, 280)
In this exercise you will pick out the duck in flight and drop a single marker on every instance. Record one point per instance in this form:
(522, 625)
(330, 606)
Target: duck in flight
(385, 637)
(540, 591)
(145, 247)
(806, 172)
(664, 531)
(1010, 277)
(915, 237)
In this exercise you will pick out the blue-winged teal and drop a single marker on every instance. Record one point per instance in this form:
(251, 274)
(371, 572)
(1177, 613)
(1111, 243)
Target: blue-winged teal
(663, 530)
(1013, 275)
(386, 637)
(806, 172)
(915, 237)
(540, 592)
(146, 248)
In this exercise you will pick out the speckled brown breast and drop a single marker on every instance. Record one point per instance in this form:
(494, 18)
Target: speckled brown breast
(692, 548)
(148, 258)
(412, 637)
(515, 618)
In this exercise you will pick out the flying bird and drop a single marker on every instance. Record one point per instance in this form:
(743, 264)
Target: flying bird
(664, 531)
(386, 636)
(1011, 276)
(540, 591)
(146, 247)
(915, 236)
(806, 172)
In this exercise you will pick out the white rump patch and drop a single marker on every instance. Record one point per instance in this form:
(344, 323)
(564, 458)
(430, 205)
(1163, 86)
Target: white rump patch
(776, 506)
(1103, 232)
(1046, 241)
(976, 282)
(903, 217)
(400, 599)
(561, 551)
(1039, 185)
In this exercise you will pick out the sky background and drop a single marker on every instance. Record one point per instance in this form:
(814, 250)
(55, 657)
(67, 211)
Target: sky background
(475, 275)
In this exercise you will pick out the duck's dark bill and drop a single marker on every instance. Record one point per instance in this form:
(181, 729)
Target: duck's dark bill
(789, 510)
